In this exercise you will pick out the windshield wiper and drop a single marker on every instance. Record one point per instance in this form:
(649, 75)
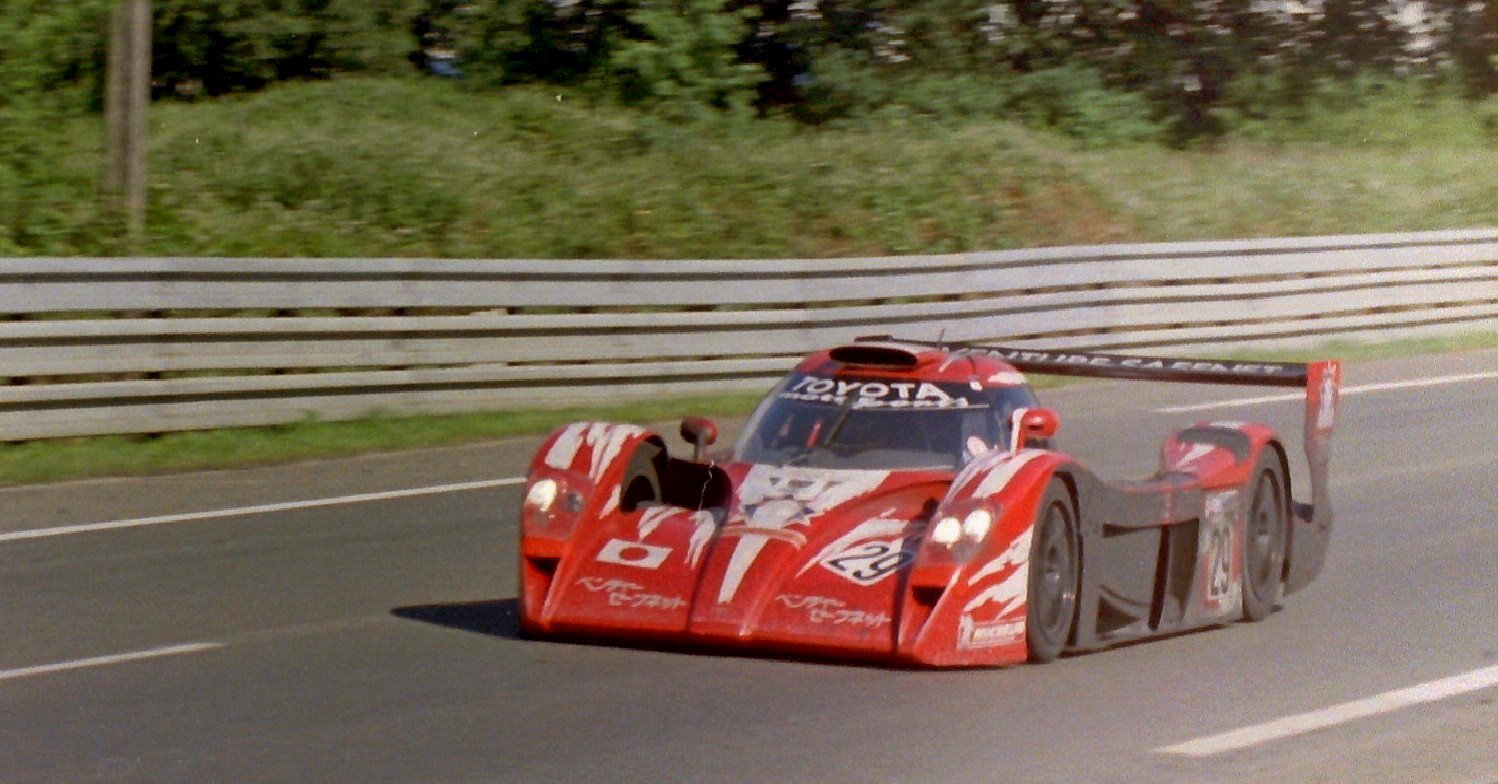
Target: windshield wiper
(837, 424)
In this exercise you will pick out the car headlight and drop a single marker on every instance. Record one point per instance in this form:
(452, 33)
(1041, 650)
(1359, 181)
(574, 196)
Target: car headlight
(947, 531)
(969, 522)
(542, 494)
(975, 526)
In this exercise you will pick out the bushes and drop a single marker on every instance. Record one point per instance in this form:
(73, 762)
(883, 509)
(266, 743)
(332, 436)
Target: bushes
(360, 174)
(49, 71)
(685, 63)
(1072, 101)
(291, 157)
(370, 168)
(1364, 110)
(1075, 101)
(425, 167)
(1487, 119)
(221, 46)
(1097, 70)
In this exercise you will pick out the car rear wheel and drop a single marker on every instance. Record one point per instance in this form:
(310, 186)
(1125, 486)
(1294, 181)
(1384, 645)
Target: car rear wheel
(1055, 569)
(1265, 534)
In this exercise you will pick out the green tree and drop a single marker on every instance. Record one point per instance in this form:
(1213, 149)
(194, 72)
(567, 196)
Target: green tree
(1468, 36)
(686, 59)
(220, 46)
(509, 41)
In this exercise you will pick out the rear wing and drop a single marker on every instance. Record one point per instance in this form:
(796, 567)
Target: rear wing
(1321, 380)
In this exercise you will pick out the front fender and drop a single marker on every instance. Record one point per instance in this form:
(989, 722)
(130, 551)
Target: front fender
(965, 604)
(588, 461)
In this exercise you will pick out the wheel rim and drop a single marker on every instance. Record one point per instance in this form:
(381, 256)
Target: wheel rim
(1051, 593)
(1266, 533)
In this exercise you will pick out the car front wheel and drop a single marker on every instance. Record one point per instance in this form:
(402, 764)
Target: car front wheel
(1055, 569)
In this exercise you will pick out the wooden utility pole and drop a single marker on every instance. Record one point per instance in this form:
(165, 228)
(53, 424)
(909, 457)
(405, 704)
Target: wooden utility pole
(127, 97)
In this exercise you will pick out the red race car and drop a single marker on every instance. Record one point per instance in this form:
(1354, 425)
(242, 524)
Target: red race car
(899, 501)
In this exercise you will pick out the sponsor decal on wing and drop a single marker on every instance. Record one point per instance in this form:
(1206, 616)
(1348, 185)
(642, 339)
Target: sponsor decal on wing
(1141, 363)
(1326, 413)
(703, 521)
(988, 634)
(641, 553)
(623, 593)
(827, 610)
(1007, 378)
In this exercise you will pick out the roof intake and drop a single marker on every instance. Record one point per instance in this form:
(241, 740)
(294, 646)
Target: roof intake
(882, 355)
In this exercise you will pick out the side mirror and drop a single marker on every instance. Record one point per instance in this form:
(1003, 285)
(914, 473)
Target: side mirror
(1032, 423)
(700, 432)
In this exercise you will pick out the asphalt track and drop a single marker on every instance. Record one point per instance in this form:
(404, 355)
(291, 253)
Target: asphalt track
(375, 641)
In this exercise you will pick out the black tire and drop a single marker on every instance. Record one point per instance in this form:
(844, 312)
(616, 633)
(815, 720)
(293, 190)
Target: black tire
(1265, 533)
(1055, 573)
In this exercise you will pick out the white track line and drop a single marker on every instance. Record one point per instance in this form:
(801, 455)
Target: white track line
(1246, 401)
(99, 661)
(139, 522)
(68, 530)
(1337, 714)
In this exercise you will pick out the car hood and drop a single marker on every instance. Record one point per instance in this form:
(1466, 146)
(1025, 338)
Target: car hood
(799, 558)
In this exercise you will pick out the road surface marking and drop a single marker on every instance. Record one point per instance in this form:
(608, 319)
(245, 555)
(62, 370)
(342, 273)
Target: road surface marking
(138, 522)
(1337, 714)
(100, 661)
(1247, 401)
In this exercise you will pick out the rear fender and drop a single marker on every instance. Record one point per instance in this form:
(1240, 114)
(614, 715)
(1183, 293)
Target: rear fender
(1310, 524)
(1217, 454)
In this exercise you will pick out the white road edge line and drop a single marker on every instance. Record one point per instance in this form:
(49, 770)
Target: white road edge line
(139, 522)
(1430, 691)
(68, 530)
(99, 661)
(1247, 401)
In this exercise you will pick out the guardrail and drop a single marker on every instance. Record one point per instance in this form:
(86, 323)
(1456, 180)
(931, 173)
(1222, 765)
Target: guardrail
(92, 346)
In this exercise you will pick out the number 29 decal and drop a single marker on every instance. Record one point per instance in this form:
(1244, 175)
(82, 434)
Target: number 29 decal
(870, 562)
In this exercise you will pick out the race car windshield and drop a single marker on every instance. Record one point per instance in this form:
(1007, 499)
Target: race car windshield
(877, 423)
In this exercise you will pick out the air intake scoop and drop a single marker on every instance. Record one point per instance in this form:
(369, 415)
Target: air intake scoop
(893, 356)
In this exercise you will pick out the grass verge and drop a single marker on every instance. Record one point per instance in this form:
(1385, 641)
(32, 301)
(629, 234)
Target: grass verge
(74, 458)
(94, 456)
